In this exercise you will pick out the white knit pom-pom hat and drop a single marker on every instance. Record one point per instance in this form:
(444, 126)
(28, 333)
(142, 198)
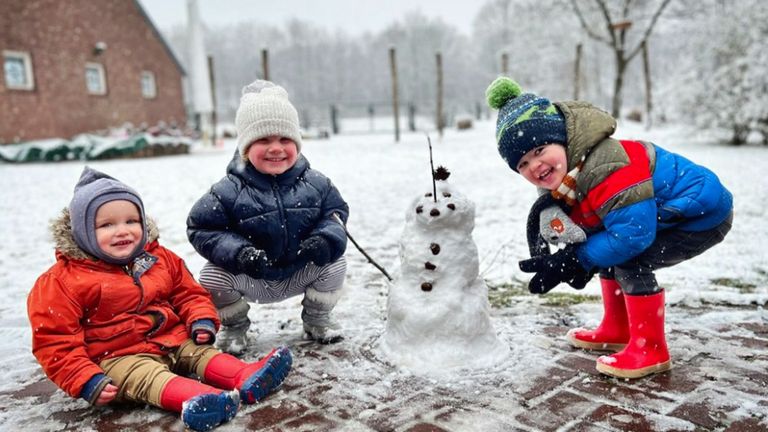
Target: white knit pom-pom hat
(265, 111)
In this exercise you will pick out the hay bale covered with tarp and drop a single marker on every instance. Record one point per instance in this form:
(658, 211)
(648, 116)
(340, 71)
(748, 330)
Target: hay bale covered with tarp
(95, 147)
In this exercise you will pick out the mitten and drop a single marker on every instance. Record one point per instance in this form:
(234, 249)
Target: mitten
(315, 249)
(203, 326)
(562, 266)
(556, 227)
(252, 262)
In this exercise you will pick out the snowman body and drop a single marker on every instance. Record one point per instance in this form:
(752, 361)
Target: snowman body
(438, 315)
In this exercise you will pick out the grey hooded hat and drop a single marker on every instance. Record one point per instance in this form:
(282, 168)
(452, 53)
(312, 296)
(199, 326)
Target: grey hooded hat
(93, 190)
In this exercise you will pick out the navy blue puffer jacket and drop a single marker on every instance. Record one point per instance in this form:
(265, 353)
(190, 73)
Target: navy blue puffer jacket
(271, 213)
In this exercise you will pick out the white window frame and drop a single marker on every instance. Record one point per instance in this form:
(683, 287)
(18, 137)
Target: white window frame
(148, 85)
(102, 77)
(29, 77)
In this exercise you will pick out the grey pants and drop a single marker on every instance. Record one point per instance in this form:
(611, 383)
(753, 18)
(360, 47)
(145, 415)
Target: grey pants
(321, 287)
(671, 247)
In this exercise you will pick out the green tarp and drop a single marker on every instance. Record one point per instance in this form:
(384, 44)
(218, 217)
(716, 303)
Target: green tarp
(92, 147)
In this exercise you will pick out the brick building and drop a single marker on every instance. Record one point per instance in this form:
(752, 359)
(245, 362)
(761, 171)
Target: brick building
(81, 65)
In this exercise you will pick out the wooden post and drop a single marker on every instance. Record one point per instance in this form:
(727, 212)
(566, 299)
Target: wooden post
(412, 117)
(395, 102)
(334, 119)
(577, 73)
(505, 64)
(440, 122)
(212, 80)
(647, 73)
(371, 117)
(265, 64)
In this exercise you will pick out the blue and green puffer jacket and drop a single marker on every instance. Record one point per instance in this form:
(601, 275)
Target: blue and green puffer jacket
(628, 191)
(271, 213)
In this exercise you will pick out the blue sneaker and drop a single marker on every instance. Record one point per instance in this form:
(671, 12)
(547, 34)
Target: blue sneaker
(268, 377)
(205, 412)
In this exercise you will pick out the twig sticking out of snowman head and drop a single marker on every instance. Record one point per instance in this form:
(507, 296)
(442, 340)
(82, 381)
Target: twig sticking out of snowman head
(432, 170)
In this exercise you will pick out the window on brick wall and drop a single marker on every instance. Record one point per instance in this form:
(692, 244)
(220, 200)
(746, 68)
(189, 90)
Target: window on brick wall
(17, 68)
(148, 86)
(95, 79)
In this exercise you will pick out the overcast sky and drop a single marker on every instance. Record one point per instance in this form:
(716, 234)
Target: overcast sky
(354, 16)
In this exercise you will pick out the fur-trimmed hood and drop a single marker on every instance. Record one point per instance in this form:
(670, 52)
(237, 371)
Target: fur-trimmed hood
(61, 229)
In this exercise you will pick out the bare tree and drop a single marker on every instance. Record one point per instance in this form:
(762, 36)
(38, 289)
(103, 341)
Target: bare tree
(520, 32)
(613, 31)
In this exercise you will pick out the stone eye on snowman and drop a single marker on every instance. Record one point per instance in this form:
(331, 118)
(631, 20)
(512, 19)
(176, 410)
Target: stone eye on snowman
(438, 310)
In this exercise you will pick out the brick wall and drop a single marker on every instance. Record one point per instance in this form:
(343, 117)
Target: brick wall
(60, 36)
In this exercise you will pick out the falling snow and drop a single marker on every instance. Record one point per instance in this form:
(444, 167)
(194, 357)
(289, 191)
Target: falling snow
(395, 173)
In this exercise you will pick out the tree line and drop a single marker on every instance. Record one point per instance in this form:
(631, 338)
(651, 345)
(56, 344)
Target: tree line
(706, 59)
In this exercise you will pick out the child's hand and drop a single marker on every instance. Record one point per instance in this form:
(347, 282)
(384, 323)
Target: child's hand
(562, 266)
(107, 395)
(203, 332)
(252, 262)
(315, 249)
(202, 337)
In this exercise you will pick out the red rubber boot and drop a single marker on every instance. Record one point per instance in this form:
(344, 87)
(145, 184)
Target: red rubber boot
(254, 380)
(202, 407)
(613, 332)
(646, 352)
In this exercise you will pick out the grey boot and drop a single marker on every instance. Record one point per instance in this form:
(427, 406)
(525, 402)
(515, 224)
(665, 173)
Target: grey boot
(318, 325)
(233, 335)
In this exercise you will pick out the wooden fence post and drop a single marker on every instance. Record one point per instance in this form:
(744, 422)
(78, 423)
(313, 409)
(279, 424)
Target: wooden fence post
(395, 101)
(412, 117)
(577, 73)
(371, 117)
(440, 121)
(334, 119)
(505, 64)
(647, 73)
(265, 64)
(214, 117)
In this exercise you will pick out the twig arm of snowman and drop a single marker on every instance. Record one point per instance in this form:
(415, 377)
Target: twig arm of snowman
(368, 257)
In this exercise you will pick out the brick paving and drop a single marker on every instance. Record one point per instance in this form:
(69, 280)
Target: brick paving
(719, 382)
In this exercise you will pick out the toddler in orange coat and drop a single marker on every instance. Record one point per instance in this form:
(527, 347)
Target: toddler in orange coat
(119, 318)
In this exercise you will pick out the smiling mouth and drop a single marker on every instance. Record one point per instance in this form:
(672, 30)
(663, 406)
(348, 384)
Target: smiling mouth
(545, 174)
(122, 243)
(275, 159)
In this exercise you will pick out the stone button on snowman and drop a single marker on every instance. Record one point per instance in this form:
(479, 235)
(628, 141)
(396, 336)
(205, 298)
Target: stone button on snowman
(438, 310)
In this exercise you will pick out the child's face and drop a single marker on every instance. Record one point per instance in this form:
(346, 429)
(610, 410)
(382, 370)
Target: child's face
(544, 166)
(273, 154)
(118, 228)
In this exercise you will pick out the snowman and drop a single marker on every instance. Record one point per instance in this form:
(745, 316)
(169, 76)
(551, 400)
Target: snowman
(438, 310)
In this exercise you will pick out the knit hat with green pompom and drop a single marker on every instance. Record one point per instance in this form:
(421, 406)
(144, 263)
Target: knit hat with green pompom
(525, 121)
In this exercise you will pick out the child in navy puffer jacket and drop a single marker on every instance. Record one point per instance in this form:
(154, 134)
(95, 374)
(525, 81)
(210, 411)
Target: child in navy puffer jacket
(643, 208)
(269, 228)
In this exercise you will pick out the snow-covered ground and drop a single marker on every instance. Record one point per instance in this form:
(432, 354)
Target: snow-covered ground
(379, 178)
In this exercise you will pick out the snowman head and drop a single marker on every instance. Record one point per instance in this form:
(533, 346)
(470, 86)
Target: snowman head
(448, 210)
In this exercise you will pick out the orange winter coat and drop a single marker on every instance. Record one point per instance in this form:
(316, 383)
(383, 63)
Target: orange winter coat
(83, 310)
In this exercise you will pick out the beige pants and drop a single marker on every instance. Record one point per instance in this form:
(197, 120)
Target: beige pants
(142, 377)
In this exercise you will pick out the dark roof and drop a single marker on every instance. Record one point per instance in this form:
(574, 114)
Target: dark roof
(160, 37)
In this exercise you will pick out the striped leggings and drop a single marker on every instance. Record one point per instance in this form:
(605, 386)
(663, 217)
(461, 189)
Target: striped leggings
(323, 283)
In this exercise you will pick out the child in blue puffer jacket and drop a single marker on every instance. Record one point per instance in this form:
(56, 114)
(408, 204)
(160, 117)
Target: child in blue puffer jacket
(642, 207)
(268, 228)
